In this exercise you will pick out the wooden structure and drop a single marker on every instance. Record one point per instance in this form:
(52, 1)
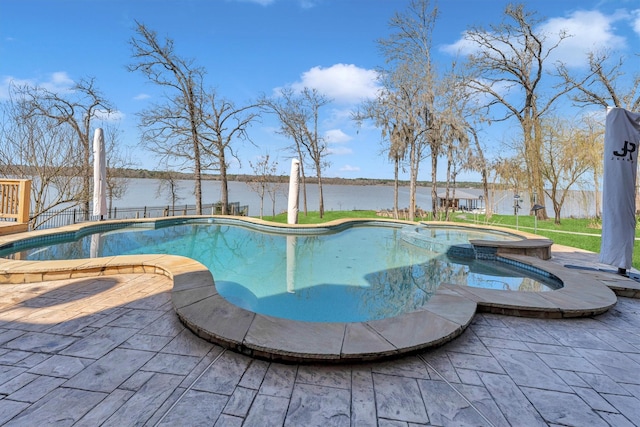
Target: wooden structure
(14, 205)
(460, 201)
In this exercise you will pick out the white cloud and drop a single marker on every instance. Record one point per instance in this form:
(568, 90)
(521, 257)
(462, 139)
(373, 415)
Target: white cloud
(109, 116)
(141, 97)
(336, 139)
(336, 136)
(350, 168)
(59, 82)
(636, 21)
(588, 31)
(308, 4)
(305, 4)
(260, 2)
(343, 83)
(7, 82)
(339, 150)
(462, 46)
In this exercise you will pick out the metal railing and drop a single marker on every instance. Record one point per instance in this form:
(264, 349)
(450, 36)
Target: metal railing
(60, 218)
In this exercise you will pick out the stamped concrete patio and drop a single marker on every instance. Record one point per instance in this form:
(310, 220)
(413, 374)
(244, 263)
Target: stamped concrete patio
(110, 350)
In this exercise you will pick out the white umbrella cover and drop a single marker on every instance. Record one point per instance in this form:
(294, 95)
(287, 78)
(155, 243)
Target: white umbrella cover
(621, 137)
(294, 178)
(99, 175)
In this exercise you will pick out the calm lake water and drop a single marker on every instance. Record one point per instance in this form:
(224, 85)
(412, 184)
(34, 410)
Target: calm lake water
(144, 192)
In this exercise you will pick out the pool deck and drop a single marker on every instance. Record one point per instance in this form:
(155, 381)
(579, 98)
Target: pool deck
(110, 350)
(98, 349)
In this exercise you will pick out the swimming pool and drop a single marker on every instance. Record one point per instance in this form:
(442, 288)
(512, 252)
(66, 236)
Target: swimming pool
(352, 273)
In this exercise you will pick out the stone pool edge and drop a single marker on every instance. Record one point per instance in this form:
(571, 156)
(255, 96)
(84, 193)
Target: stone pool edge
(446, 315)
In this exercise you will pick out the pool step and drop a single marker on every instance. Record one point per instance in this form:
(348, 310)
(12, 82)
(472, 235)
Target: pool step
(420, 237)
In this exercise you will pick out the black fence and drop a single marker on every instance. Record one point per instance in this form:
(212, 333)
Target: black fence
(53, 219)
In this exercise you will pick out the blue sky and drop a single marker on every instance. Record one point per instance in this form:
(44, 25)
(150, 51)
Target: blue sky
(252, 47)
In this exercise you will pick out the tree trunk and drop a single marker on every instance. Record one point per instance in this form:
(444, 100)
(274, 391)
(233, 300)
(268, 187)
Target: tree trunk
(485, 188)
(261, 201)
(446, 191)
(413, 181)
(197, 176)
(484, 174)
(556, 210)
(303, 178)
(224, 187)
(273, 206)
(536, 168)
(396, 168)
(434, 185)
(320, 197)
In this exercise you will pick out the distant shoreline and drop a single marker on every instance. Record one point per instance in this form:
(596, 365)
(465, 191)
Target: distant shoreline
(144, 174)
(163, 175)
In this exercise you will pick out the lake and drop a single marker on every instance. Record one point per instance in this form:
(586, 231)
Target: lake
(144, 192)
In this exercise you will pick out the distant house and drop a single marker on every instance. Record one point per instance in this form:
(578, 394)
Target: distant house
(460, 201)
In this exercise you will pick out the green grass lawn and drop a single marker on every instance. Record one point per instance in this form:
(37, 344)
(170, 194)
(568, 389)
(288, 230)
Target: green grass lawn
(314, 217)
(576, 232)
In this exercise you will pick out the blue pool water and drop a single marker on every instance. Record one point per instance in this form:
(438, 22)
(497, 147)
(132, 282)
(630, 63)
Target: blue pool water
(359, 273)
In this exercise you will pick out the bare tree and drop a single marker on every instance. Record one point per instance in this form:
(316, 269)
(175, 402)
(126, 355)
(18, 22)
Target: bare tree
(276, 187)
(453, 128)
(172, 129)
(47, 138)
(36, 148)
(381, 111)
(564, 160)
(477, 162)
(511, 172)
(410, 76)
(465, 119)
(223, 123)
(264, 180)
(285, 108)
(316, 145)
(590, 134)
(299, 115)
(76, 109)
(509, 70)
(117, 158)
(169, 183)
(605, 84)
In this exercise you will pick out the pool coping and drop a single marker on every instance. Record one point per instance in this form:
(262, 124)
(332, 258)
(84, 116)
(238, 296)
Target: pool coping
(441, 319)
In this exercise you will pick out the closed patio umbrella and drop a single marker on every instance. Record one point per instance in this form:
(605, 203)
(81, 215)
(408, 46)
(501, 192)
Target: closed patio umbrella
(621, 136)
(99, 175)
(294, 178)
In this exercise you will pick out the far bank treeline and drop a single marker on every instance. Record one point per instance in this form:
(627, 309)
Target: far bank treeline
(151, 174)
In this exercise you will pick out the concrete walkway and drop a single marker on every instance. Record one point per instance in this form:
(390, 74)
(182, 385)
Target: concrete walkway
(111, 351)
